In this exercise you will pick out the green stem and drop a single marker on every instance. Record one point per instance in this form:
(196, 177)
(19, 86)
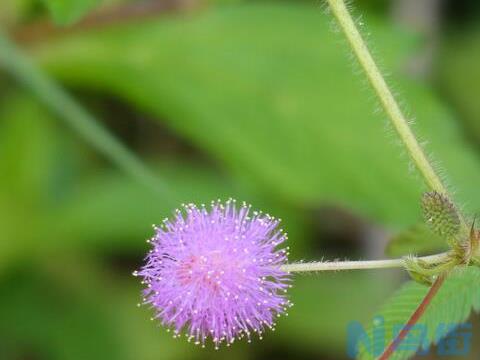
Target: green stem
(359, 265)
(60, 102)
(387, 99)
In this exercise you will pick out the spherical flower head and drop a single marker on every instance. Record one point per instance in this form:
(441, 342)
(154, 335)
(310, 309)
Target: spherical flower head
(216, 273)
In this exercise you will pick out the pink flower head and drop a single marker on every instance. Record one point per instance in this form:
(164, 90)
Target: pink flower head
(217, 273)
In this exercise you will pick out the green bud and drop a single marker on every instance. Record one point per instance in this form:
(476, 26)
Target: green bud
(440, 214)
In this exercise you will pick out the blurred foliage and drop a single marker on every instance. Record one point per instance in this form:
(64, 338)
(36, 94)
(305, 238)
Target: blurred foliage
(416, 240)
(41, 182)
(271, 99)
(12, 12)
(458, 76)
(263, 95)
(68, 11)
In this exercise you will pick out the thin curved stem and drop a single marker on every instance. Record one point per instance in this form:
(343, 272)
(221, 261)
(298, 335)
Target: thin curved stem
(69, 110)
(387, 99)
(358, 265)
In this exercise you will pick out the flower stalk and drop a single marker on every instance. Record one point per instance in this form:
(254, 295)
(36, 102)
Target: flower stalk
(360, 265)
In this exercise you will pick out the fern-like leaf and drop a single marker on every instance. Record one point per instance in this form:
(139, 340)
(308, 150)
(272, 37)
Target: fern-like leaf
(452, 305)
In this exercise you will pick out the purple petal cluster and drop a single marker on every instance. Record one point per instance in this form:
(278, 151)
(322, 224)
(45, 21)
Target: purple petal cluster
(215, 273)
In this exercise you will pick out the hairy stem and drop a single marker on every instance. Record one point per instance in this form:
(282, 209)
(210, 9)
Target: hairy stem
(387, 99)
(414, 318)
(359, 265)
(402, 127)
(61, 103)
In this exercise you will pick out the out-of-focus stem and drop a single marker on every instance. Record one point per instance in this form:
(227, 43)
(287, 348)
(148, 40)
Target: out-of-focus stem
(67, 108)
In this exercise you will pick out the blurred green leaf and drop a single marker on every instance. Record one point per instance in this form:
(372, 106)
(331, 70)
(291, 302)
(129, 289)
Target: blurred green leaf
(38, 319)
(117, 210)
(274, 100)
(66, 12)
(416, 240)
(326, 303)
(28, 143)
(34, 161)
(13, 11)
(459, 76)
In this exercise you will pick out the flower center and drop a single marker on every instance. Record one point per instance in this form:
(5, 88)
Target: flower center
(207, 271)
